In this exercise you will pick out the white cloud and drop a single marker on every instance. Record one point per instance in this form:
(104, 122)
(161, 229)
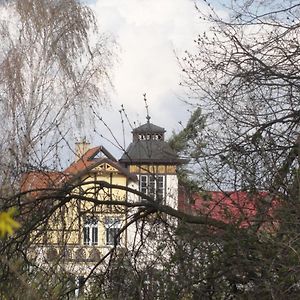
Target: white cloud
(147, 33)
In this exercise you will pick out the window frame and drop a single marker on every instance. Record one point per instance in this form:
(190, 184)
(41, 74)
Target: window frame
(91, 231)
(112, 231)
(153, 185)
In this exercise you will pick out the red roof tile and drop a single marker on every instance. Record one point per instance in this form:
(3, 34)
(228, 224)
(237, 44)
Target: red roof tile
(43, 179)
(83, 163)
(238, 207)
(38, 180)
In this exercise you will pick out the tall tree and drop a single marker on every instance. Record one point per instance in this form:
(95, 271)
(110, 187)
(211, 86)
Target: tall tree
(189, 144)
(244, 73)
(54, 65)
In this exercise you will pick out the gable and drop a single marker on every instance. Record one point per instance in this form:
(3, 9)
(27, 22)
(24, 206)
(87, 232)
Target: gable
(106, 167)
(97, 159)
(99, 153)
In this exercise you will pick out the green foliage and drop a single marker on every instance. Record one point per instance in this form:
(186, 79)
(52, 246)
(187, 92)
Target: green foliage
(190, 135)
(188, 143)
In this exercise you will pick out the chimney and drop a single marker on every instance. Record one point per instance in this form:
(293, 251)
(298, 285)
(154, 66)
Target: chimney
(81, 147)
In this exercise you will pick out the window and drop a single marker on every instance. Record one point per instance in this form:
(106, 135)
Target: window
(79, 286)
(90, 231)
(153, 185)
(112, 229)
(148, 137)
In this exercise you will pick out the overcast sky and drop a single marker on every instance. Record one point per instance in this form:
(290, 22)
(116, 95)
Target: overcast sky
(148, 33)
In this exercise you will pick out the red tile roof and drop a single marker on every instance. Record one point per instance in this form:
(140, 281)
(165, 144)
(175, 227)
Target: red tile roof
(83, 163)
(89, 161)
(238, 207)
(35, 180)
(39, 180)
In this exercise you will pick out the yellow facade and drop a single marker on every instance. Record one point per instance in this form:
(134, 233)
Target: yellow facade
(88, 224)
(152, 169)
(83, 224)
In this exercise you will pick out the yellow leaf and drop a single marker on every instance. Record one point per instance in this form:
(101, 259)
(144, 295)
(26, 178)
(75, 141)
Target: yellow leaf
(7, 223)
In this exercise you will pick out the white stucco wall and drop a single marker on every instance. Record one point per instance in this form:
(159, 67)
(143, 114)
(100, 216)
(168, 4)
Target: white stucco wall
(172, 191)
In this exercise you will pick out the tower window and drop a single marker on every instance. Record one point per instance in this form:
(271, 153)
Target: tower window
(153, 186)
(157, 137)
(150, 136)
(90, 231)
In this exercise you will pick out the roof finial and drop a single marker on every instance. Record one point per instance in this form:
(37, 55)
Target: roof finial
(147, 109)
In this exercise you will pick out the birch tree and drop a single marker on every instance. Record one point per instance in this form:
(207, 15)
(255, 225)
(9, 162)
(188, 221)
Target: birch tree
(54, 65)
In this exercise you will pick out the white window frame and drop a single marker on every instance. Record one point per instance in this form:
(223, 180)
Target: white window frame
(90, 231)
(112, 229)
(153, 185)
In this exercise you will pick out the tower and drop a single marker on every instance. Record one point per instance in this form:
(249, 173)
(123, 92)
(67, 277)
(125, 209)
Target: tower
(150, 157)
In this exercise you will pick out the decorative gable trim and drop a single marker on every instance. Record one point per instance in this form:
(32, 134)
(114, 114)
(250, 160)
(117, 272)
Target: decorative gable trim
(105, 167)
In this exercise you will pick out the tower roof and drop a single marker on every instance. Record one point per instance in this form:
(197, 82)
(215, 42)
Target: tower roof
(149, 151)
(148, 146)
(148, 128)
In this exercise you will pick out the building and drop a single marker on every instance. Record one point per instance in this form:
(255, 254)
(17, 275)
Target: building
(154, 163)
(89, 202)
(92, 208)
